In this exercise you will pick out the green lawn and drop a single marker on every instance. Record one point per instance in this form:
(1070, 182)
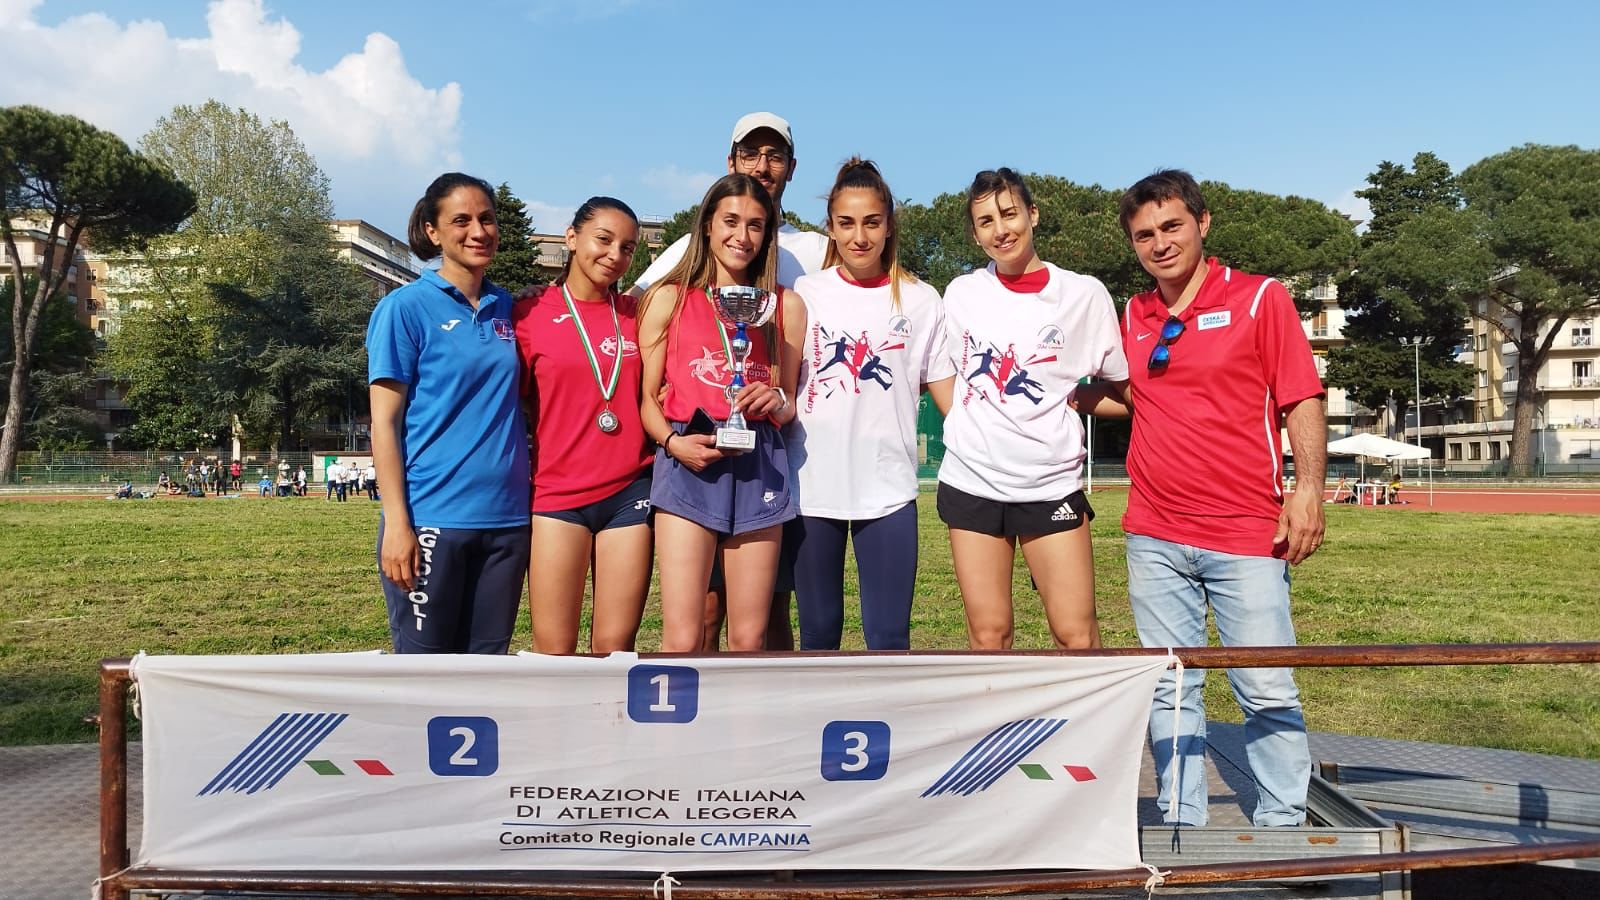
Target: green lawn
(91, 579)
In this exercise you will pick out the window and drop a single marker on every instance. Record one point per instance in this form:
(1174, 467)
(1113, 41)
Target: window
(1475, 450)
(1583, 335)
(1483, 342)
(1483, 379)
(1494, 449)
(1319, 324)
(1455, 452)
(1583, 373)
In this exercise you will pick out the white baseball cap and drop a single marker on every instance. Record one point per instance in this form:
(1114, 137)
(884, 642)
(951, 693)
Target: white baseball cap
(756, 120)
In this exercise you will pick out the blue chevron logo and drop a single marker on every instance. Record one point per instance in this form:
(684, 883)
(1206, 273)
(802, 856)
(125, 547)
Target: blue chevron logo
(277, 749)
(991, 757)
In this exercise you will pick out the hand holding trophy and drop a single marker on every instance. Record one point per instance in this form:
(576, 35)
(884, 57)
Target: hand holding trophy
(741, 307)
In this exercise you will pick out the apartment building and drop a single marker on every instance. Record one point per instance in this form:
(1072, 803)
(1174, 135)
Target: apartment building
(1566, 416)
(385, 259)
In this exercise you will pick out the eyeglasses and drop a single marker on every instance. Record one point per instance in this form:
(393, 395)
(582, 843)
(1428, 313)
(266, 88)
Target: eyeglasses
(778, 159)
(1162, 354)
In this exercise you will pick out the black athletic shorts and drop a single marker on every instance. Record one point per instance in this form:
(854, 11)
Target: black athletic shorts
(962, 510)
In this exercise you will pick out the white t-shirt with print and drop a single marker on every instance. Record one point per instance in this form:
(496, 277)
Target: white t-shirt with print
(799, 253)
(1010, 435)
(854, 441)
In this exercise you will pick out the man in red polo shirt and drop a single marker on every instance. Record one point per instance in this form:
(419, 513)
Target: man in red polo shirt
(1218, 363)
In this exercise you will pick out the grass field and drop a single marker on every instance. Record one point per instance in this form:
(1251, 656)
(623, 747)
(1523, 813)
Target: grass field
(91, 579)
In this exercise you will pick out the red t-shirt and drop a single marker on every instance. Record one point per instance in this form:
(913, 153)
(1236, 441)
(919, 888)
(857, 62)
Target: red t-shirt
(1205, 456)
(574, 462)
(1026, 283)
(697, 368)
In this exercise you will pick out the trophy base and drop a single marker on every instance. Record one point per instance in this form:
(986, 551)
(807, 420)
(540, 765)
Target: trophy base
(736, 439)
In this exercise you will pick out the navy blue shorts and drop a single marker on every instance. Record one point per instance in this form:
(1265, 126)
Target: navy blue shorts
(468, 592)
(629, 506)
(734, 495)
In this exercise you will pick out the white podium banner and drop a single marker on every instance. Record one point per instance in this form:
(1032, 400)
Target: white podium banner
(369, 761)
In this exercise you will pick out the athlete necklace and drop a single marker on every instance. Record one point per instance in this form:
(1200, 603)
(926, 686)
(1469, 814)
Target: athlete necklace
(607, 420)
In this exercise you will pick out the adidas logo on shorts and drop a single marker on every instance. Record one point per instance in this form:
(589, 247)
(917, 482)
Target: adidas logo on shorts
(1064, 513)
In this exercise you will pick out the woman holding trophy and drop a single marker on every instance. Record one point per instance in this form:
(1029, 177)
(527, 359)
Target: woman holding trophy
(720, 343)
(875, 339)
(579, 344)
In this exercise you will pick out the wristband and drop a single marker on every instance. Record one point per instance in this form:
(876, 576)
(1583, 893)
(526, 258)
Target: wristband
(668, 440)
(784, 397)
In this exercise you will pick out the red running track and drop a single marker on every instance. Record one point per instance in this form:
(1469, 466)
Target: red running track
(1414, 497)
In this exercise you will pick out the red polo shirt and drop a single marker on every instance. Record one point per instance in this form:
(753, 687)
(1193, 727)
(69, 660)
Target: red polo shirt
(1205, 456)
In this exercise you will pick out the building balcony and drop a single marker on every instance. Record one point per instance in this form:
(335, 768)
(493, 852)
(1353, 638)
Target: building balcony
(1585, 383)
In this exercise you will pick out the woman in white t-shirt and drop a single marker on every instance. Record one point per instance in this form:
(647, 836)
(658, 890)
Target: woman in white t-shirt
(1022, 333)
(875, 341)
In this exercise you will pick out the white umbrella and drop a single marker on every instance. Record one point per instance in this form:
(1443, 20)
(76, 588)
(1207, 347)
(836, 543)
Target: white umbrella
(1367, 444)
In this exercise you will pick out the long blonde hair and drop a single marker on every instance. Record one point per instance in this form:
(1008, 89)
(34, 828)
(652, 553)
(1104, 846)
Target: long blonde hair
(697, 269)
(863, 173)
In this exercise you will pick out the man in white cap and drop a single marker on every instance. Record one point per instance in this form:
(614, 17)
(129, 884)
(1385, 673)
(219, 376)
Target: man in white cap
(763, 148)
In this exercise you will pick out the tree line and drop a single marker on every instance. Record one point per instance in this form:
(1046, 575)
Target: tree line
(246, 322)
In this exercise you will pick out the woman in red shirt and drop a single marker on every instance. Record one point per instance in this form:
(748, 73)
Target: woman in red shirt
(579, 344)
(705, 498)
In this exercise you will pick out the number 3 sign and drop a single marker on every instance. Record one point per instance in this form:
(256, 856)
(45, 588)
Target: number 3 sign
(855, 751)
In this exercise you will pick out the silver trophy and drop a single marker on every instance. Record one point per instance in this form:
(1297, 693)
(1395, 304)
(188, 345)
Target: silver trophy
(741, 307)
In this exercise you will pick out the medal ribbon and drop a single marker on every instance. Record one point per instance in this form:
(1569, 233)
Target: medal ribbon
(727, 346)
(606, 388)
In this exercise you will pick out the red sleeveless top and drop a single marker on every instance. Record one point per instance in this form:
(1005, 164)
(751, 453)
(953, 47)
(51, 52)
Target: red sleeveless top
(697, 368)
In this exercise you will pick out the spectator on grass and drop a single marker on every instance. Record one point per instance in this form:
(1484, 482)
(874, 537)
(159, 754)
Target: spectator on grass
(300, 481)
(370, 473)
(1205, 529)
(235, 474)
(332, 476)
(265, 484)
(164, 483)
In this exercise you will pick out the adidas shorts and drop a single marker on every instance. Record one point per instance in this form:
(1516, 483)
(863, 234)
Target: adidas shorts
(962, 510)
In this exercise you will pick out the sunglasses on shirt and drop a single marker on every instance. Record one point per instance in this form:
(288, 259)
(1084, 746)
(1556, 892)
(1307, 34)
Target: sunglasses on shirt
(1161, 355)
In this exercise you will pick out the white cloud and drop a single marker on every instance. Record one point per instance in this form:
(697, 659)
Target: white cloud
(1353, 206)
(358, 116)
(680, 187)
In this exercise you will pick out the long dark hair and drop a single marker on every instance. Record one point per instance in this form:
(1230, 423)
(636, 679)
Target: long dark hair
(426, 212)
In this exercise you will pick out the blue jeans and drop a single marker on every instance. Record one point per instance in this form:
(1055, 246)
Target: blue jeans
(1170, 586)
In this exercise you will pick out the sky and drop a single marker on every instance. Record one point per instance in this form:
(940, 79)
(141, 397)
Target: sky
(563, 99)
